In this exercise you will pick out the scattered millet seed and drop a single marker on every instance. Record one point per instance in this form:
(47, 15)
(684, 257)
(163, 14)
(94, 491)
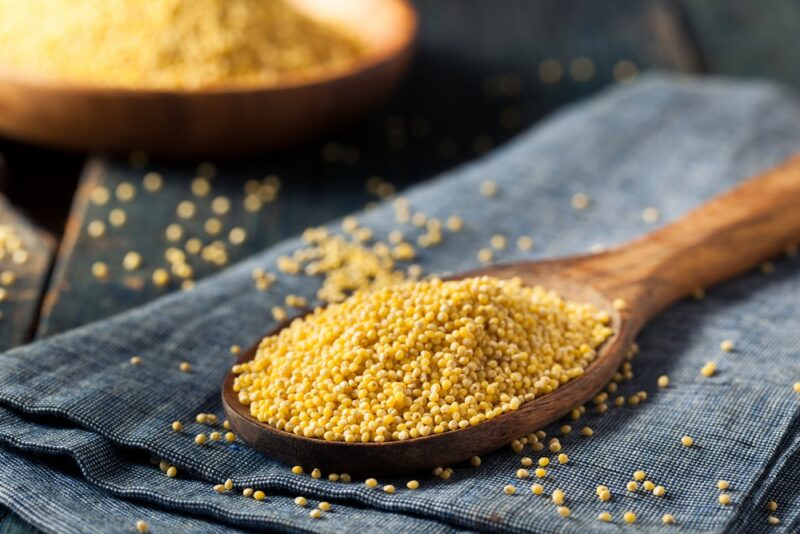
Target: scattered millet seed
(602, 408)
(211, 419)
(526, 461)
(136, 360)
(214, 436)
(724, 499)
(604, 495)
(300, 501)
(446, 474)
(316, 473)
(537, 447)
(488, 188)
(475, 461)
(230, 437)
(498, 242)
(237, 236)
(96, 229)
(247, 492)
(99, 270)
(796, 387)
(619, 304)
(100, 195)
(186, 209)
(659, 491)
(132, 261)
(278, 313)
(708, 369)
(639, 475)
(297, 470)
(587, 431)
(619, 400)
(185, 367)
(259, 495)
(333, 477)
(723, 485)
(726, 345)
(485, 255)
(437, 471)
(201, 418)
(516, 445)
(117, 217)
(772, 520)
(509, 489)
(125, 192)
(163, 465)
(177, 426)
(632, 486)
(540, 472)
(563, 458)
(525, 243)
(537, 489)
(668, 519)
(412, 484)
(629, 517)
(555, 446)
(324, 506)
(454, 223)
(580, 201)
(772, 506)
(522, 473)
(371, 483)
(388, 488)
(650, 215)
(648, 485)
(563, 511)
(558, 496)
(566, 429)
(228, 484)
(172, 471)
(152, 182)
(600, 488)
(315, 513)
(173, 232)
(219, 488)
(604, 517)
(544, 461)
(663, 381)
(160, 277)
(142, 527)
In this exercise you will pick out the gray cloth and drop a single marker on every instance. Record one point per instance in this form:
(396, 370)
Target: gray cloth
(78, 422)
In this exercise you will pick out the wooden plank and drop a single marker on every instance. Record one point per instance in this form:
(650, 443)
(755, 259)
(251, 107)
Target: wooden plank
(25, 255)
(744, 38)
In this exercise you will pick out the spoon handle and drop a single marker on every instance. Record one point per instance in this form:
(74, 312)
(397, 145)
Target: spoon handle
(725, 237)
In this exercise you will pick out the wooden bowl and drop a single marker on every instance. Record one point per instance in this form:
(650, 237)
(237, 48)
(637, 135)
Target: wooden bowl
(217, 121)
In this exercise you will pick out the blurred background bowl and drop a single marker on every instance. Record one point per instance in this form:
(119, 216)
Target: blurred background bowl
(218, 121)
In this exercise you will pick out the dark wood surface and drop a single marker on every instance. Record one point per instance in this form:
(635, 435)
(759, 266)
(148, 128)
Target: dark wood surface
(475, 83)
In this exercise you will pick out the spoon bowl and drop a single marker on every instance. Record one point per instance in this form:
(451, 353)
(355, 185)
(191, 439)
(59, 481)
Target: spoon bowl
(726, 237)
(224, 121)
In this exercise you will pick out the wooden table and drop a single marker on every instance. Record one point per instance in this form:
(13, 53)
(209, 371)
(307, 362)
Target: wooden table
(484, 72)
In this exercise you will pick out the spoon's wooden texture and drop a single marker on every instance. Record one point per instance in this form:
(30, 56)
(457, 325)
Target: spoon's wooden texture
(217, 121)
(727, 236)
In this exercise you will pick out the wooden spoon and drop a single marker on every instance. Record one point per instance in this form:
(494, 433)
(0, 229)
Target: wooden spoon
(218, 121)
(726, 237)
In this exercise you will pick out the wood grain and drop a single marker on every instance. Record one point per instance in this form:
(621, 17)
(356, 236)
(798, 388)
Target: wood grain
(723, 238)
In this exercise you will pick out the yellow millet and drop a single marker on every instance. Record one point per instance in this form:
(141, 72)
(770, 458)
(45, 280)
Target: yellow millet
(419, 358)
(171, 44)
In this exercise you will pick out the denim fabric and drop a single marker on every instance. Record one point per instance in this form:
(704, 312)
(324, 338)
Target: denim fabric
(78, 422)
